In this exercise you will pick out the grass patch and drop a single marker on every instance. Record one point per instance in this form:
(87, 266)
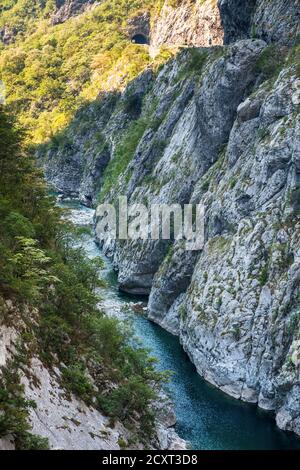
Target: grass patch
(194, 63)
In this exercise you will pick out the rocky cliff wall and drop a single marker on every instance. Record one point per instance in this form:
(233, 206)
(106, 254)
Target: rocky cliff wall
(68, 422)
(228, 139)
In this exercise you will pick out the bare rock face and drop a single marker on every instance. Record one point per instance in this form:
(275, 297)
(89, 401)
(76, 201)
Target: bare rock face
(167, 438)
(8, 336)
(238, 319)
(196, 126)
(236, 18)
(139, 26)
(7, 443)
(276, 21)
(66, 421)
(68, 8)
(187, 23)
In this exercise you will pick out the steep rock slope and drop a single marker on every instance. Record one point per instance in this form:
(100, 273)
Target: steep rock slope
(65, 9)
(66, 421)
(274, 21)
(187, 22)
(56, 415)
(239, 317)
(170, 160)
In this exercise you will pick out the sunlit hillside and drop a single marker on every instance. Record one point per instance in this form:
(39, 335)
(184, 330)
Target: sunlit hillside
(50, 70)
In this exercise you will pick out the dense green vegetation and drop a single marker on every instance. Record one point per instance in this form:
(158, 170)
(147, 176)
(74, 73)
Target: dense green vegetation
(40, 269)
(51, 70)
(124, 154)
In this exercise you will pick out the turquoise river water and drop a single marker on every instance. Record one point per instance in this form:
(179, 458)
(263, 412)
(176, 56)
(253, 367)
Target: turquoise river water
(207, 418)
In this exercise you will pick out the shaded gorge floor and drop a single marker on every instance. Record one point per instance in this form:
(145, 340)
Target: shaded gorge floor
(206, 417)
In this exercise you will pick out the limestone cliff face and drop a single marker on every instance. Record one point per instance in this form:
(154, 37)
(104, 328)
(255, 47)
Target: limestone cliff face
(65, 9)
(66, 421)
(187, 23)
(232, 144)
(58, 415)
(238, 319)
(221, 128)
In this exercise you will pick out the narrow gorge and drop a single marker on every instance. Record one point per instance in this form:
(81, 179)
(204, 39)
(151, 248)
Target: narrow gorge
(187, 102)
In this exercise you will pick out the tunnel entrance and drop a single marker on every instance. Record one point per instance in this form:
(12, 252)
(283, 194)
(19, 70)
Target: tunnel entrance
(139, 39)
